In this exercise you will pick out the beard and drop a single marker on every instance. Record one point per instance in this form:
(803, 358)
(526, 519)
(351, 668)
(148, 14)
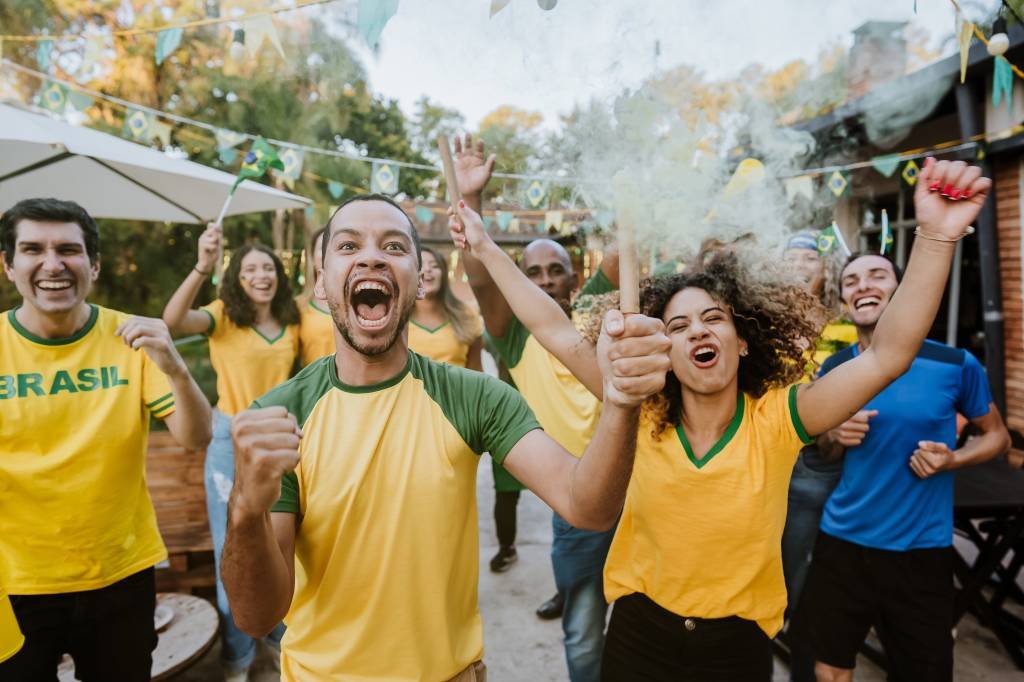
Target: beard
(341, 321)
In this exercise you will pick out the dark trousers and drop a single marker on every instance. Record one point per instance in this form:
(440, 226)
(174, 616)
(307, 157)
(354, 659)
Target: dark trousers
(505, 517)
(647, 642)
(109, 632)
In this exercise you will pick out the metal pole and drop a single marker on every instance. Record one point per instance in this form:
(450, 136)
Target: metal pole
(988, 252)
(953, 312)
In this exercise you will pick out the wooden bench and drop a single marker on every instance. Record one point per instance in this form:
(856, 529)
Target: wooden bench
(175, 479)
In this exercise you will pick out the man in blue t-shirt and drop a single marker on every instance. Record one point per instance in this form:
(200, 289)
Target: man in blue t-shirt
(883, 555)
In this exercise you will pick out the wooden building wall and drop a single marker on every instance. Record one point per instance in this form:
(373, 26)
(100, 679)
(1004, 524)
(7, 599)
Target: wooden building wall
(1008, 220)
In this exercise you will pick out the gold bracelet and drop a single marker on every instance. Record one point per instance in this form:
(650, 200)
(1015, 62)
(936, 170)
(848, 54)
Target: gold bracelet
(942, 238)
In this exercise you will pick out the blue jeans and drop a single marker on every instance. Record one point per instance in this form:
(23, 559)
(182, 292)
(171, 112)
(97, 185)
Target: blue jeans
(578, 558)
(809, 490)
(237, 648)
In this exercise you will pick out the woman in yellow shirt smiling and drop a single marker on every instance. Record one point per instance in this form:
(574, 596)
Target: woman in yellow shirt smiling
(695, 568)
(442, 327)
(253, 329)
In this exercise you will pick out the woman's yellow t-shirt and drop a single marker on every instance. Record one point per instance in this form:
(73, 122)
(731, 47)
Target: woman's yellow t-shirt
(11, 638)
(247, 363)
(703, 538)
(316, 332)
(439, 344)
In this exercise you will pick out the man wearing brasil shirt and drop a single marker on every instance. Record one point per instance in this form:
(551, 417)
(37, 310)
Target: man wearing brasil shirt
(354, 507)
(78, 384)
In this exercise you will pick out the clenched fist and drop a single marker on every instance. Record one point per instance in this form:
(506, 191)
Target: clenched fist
(266, 444)
(632, 353)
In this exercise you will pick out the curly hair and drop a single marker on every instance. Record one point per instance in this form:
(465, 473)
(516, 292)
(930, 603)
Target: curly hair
(771, 309)
(237, 305)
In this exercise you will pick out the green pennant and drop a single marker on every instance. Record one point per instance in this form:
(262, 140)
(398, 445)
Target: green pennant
(488, 222)
(227, 155)
(886, 165)
(53, 97)
(424, 215)
(79, 101)
(44, 48)
(604, 218)
(167, 41)
(261, 157)
(504, 219)
(1002, 82)
(336, 189)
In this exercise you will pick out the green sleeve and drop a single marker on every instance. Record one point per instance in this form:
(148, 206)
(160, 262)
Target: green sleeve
(289, 500)
(597, 284)
(509, 347)
(489, 414)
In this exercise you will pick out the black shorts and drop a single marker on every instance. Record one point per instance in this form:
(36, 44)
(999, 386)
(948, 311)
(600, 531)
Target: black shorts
(647, 642)
(108, 632)
(906, 596)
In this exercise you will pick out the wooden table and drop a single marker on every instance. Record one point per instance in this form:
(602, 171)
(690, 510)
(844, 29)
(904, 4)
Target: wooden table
(183, 642)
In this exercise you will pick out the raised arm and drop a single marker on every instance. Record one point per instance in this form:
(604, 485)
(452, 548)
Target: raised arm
(473, 171)
(178, 313)
(838, 395)
(588, 493)
(258, 565)
(537, 311)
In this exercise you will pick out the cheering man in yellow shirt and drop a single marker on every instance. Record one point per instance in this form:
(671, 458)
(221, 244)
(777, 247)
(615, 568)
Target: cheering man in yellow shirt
(354, 506)
(78, 384)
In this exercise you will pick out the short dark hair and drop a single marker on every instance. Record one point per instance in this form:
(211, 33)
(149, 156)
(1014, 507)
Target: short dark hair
(51, 211)
(857, 255)
(373, 197)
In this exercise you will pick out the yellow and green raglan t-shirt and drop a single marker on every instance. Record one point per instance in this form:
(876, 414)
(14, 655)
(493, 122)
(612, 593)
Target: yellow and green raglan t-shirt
(386, 554)
(702, 538)
(439, 344)
(75, 513)
(11, 638)
(316, 332)
(564, 407)
(248, 364)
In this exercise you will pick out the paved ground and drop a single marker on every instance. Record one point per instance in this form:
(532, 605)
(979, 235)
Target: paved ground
(521, 647)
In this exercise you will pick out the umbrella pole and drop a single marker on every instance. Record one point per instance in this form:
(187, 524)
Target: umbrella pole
(218, 271)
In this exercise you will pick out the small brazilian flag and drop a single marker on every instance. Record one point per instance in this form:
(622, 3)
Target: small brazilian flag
(830, 239)
(887, 239)
(261, 157)
(54, 97)
(910, 173)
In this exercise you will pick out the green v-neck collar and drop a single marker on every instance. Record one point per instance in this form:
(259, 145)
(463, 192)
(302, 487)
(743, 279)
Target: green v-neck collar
(428, 329)
(730, 431)
(266, 338)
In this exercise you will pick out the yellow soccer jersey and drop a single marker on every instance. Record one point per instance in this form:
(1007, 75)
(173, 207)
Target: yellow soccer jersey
(316, 332)
(386, 555)
(834, 337)
(75, 513)
(703, 538)
(11, 638)
(440, 344)
(247, 363)
(564, 407)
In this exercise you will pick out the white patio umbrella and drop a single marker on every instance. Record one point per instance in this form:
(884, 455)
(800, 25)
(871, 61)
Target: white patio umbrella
(113, 178)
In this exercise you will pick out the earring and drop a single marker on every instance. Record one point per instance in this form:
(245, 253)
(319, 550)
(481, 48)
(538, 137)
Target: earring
(743, 353)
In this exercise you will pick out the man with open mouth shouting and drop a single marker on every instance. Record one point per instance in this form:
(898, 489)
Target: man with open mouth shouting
(354, 505)
(695, 569)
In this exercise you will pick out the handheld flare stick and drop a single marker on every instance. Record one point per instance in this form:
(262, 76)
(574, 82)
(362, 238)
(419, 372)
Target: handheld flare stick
(629, 275)
(454, 197)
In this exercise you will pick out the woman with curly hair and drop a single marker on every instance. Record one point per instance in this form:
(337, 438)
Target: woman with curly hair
(695, 569)
(253, 329)
(442, 327)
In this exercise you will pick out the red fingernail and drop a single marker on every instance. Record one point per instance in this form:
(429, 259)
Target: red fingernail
(934, 186)
(462, 204)
(967, 194)
(947, 189)
(955, 194)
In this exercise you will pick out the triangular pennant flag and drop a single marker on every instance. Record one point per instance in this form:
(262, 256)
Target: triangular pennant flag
(830, 238)
(886, 165)
(800, 186)
(384, 178)
(79, 101)
(227, 155)
(567, 228)
(53, 97)
(91, 55)
(553, 221)
(488, 222)
(372, 17)
(1002, 83)
(839, 183)
(886, 233)
(228, 138)
(261, 157)
(336, 189)
(604, 218)
(292, 159)
(513, 226)
(504, 219)
(748, 173)
(43, 50)
(167, 41)
(910, 172)
(161, 131)
(258, 30)
(536, 193)
(308, 212)
(138, 125)
(498, 5)
(424, 215)
(964, 33)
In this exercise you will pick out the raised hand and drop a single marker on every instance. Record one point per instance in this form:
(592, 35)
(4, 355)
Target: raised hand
(851, 433)
(467, 229)
(266, 444)
(948, 197)
(472, 169)
(930, 458)
(151, 335)
(209, 244)
(632, 353)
